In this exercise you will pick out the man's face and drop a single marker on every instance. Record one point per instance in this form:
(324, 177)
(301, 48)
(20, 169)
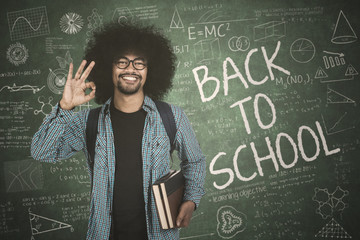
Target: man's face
(129, 74)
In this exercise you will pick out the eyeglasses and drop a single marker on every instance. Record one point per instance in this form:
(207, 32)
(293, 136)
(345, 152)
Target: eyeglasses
(124, 62)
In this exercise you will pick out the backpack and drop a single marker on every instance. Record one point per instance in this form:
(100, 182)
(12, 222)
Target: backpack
(167, 118)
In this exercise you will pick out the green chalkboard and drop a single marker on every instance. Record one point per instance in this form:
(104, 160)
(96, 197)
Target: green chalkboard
(270, 87)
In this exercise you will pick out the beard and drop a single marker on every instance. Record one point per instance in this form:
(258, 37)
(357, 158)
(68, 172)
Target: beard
(128, 89)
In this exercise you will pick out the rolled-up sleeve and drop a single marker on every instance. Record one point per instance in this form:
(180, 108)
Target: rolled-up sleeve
(59, 136)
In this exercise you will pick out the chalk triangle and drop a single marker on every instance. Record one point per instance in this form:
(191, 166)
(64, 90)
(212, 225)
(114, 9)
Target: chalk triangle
(333, 230)
(351, 71)
(176, 21)
(343, 32)
(40, 224)
(336, 97)
(320, 73)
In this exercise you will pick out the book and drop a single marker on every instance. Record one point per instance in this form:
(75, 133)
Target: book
(168, 192)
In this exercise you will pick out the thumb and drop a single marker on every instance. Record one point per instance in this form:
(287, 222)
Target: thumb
(180, 217)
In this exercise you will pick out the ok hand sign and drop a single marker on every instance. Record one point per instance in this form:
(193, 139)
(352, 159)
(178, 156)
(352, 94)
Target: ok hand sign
(74, 91)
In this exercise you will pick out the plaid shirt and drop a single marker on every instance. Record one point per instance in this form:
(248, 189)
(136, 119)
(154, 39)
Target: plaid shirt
(63, 133)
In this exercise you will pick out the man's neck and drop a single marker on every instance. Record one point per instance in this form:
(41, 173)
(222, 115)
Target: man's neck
(128, 103)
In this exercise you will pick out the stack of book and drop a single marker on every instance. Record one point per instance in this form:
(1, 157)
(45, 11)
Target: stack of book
(168, 192)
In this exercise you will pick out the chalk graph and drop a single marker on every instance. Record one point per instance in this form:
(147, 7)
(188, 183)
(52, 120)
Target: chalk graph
(28, 23)
(24, 175)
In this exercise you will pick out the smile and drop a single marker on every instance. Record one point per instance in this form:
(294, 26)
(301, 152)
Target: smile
(128, 78)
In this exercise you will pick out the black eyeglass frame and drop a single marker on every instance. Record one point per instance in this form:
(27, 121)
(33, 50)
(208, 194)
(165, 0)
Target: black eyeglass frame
(117, 62)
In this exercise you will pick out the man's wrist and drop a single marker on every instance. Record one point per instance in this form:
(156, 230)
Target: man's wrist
(64, 106)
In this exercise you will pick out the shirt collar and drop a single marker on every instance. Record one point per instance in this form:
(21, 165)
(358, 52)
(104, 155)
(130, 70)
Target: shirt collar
(148, 104)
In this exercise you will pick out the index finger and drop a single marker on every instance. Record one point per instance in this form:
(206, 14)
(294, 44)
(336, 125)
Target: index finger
(87, 71)
(80, 69)
(70, 73)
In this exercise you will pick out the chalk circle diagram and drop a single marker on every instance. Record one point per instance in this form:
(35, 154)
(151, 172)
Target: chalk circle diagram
(230, 222)
(17, 54)
(241, 43)
(56, 80)
(302, 50)
(71, 23)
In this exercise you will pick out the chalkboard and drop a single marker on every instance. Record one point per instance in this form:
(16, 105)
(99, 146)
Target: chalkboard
(270, 87)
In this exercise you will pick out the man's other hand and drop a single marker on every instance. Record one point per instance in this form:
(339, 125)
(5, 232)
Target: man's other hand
(185, 213)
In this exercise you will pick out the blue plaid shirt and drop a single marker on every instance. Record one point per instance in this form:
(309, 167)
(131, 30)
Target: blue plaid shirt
(63, 133)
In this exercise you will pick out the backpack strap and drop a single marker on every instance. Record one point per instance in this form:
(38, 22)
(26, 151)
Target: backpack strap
(166, 114)
(168, 120)
(91, 133)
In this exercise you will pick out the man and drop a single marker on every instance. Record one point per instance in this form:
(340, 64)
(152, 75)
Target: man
(128, 67)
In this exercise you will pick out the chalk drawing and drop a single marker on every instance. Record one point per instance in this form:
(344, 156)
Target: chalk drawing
(71, 23)
(334, 97)
(241, 43)
(343, 32)
(17, 54)
(46, 107)
(176, 22)
(350, 72)
(273, 30)
(122, 15)
(15, 88)
(207, 50)
(24, 175)
(333, 230)
(40, 225)
(335, 128)
(230, 222)
(328, 203)
(302, 50)
(28, 23)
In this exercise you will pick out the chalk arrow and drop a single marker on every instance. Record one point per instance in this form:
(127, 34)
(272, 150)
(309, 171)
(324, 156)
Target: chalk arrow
(340, 54)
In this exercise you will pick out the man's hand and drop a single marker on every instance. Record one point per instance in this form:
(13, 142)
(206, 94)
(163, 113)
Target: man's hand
(185, 212)
(74, 90)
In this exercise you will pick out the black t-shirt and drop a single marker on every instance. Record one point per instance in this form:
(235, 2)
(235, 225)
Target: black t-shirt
(129, 220)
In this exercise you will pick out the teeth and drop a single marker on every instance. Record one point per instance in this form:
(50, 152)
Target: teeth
(129, 78)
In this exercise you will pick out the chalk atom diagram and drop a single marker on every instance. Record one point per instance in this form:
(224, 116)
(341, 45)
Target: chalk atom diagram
(230, 222)
(46, 107)
(28, 23)
(41, 225)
